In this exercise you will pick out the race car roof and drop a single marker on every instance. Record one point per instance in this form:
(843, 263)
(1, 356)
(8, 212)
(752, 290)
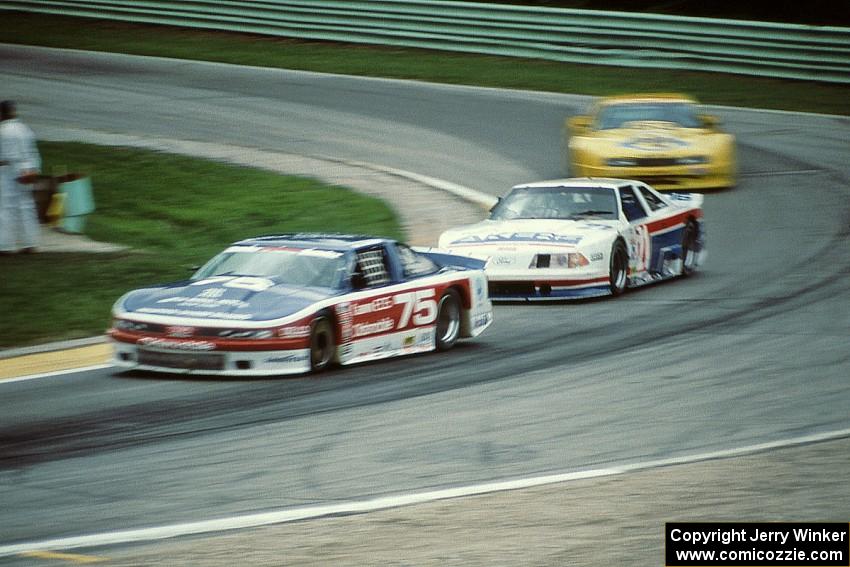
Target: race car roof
(313, 240)
(647, 97)
(604, 182)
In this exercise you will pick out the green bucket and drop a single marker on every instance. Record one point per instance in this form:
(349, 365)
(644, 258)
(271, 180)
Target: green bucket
(78, 202)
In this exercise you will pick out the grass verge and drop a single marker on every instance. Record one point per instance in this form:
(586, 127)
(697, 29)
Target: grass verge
(174, 212)
(435, 66)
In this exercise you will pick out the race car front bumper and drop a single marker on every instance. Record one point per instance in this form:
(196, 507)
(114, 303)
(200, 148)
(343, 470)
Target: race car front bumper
(671, 178)
(535, 287)
(130, 356)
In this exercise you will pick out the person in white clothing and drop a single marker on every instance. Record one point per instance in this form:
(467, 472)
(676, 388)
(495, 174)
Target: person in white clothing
(19, 160)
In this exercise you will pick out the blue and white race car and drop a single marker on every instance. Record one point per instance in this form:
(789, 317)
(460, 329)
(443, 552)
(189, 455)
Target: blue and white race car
(298, 303)
(583, 237)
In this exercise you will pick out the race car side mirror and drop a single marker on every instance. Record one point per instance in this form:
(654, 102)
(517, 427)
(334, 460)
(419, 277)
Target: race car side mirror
(710, 121)
(579, 124)
(496, 204)
(358, 280)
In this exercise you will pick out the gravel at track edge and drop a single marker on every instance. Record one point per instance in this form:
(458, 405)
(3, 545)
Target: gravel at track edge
(616, 520)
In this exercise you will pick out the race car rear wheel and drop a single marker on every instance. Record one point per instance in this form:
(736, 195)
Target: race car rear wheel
(689, 252)
(448, 320)
(322, 343)
(619, 268)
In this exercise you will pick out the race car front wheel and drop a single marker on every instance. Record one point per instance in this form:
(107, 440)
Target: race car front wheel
(619, 268)
(321, 343)
(448, 320)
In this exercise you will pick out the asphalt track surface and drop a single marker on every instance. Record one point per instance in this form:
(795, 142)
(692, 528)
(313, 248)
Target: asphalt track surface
(752, 349)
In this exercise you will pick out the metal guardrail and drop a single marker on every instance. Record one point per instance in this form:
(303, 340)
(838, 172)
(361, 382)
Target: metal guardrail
(818, 53)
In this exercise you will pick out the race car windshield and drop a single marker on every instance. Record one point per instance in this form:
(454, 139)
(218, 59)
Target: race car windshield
(619, 115)
(297, 267)
(560, 203)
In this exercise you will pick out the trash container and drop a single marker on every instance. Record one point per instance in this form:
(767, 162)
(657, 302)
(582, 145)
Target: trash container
(78, 201)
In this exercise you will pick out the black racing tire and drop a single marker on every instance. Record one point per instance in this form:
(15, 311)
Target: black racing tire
(689, 249)
(322, 343)
(618, 268)
(447, 329)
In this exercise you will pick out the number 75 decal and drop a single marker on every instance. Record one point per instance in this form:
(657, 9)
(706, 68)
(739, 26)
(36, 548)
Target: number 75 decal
(420, 304)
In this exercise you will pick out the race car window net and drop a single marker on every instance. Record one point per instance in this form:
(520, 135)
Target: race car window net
(654, 201)
(620, 115)
(302, 268)
(559, 203)
(631, 206)
(373, 267)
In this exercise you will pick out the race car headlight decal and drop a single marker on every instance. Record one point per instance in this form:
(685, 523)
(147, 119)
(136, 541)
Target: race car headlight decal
(571, 260)
(125, 325)
(692, 160)
(246, 334)
(576, 260)
(621, 162)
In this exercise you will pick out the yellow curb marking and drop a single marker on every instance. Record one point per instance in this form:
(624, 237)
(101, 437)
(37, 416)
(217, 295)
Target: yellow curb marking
(54, 361)
(73, 557)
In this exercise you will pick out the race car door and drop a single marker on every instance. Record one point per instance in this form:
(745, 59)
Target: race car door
(665, 228)
(389, 315)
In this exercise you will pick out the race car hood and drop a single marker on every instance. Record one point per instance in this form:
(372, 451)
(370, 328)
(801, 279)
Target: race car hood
(649, 139)
(221, 298)
(483, 239)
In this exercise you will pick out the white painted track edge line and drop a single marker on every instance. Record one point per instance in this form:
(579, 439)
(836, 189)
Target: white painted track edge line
(387, 502)
(465, 193)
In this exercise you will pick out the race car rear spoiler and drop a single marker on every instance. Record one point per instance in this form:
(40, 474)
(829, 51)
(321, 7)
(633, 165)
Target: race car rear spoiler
(445, 258)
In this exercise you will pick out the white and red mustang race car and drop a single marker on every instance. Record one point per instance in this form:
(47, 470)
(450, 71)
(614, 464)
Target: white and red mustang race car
(298, 303)
(583, 237)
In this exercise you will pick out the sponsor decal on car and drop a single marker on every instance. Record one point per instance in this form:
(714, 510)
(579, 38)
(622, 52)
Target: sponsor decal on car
(176, 345)
(426, 337)
(345, 316)
(294, 332)
(380, 348)
(320, 253)
(502, 260)
(549, 237)
(287, 358)
(379, 304)
(207, 302)
(212, 293)
(251, 283)
(179, 331)
(596, 226)
(195, 313)
(382, 326)
(481, 320)
(654, 143)
(479, 285)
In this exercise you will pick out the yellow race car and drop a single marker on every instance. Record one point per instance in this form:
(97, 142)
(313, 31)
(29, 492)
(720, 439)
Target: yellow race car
(660, 139)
